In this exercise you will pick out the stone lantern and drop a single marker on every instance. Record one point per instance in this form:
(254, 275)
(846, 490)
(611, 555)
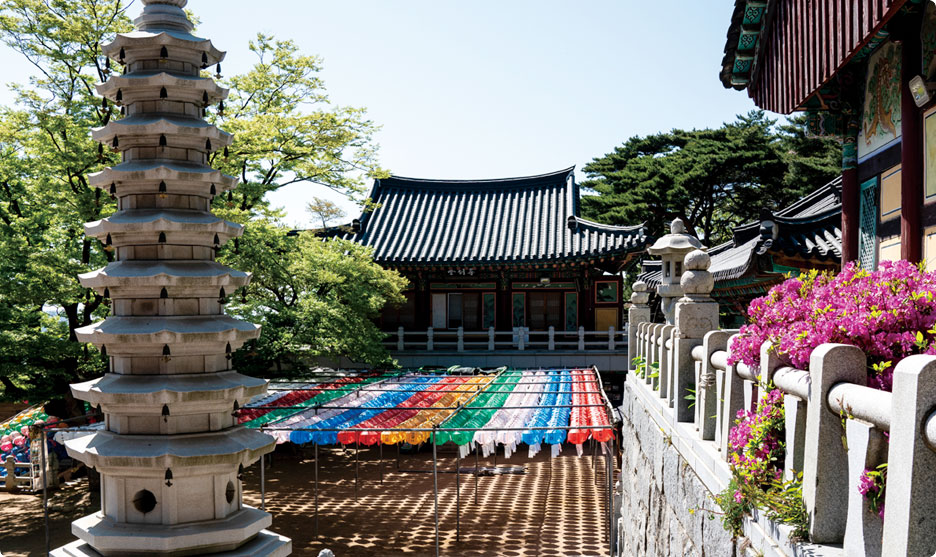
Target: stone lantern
(171, 456)
(672, 248)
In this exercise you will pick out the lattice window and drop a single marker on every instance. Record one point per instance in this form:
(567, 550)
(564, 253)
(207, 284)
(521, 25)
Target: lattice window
(867, 225)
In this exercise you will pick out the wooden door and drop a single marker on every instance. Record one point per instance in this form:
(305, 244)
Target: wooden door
(606, 317)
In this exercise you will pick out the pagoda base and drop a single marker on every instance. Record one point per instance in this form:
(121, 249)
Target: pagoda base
(266, 544)
(217, 537)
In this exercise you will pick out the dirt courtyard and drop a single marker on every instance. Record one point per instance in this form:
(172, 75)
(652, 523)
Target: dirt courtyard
(556, 508)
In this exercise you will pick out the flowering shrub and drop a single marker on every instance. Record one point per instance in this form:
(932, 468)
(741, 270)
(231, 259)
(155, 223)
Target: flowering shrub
(872, 485)
(755, 443)
(757, 453)
(889, 313)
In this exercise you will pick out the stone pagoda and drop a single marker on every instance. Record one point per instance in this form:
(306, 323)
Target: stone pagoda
(171, 457)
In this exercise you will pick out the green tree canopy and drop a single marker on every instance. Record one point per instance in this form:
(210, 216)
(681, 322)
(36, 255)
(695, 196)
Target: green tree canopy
(712, 178)
(287, 132)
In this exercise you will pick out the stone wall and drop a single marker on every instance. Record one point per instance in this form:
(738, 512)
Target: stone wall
(662, 498)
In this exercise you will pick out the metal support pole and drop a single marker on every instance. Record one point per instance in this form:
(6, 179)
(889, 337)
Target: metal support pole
(263, 483)
(457, 496)
(380, 458)
(45, 492)
(435, 490)
(611, 503)
(357, 468)
(316, 489)
(596, 470)
(477, 450)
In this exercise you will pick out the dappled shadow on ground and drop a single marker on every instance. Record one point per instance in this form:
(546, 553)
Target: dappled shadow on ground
(556, 508)
(22, 526)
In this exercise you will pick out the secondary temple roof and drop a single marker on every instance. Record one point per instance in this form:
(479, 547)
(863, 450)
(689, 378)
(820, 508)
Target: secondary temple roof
(808, 231)
(528, 220)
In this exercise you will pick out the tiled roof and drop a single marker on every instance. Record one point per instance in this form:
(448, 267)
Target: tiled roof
(466, 222)
(809, 229)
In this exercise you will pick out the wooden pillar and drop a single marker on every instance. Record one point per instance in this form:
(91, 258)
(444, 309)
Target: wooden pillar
(423, 303)
(851, 189)
(504, 302)
(850, 214)
(911, 147)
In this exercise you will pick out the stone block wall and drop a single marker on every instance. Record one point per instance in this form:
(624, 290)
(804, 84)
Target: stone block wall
(662, 500)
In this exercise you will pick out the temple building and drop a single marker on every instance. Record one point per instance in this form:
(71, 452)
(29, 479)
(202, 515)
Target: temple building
(806, 235)
(863, 71)
(488, 258)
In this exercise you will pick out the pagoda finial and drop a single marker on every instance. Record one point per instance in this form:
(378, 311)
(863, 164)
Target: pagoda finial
(163, 15)
(678, 226)
(179, 3)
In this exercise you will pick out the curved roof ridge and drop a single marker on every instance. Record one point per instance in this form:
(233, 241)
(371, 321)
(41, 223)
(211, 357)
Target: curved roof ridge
(833, 186)
(519, 181)
(610, 227)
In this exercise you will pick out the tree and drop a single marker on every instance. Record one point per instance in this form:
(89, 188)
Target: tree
(46, 154)
(712, 179)
(324, 211)
(287, 132)
(314, 296)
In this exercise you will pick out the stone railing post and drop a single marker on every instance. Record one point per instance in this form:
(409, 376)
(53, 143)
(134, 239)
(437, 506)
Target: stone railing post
(665, 363)
(867, 448)
(910, 516)
(400, 335)
(461, 339)
(696, 315)
(491, 338)
(794, 419)
(638, 313)
(825, 467)
(732, 397)
(521, 338)
(10, 479)
(710, 422)
(611, 338)
(552, 338)
(581, 345)
(769, 362)
(429, 340)
(656, 351)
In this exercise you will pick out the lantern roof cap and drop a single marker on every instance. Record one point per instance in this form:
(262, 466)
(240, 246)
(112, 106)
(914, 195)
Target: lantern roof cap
(678, 241)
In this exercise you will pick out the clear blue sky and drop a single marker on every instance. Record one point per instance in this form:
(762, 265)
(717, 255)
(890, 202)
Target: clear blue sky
(491, 88)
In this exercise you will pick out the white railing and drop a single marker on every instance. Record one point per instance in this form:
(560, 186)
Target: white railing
(12, 482)
(519, 339)
(836, 428)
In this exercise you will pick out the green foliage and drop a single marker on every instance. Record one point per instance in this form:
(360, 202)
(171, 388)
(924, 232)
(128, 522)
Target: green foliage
(645, 371)
(734, 507)
(287, 132)
(782, 501)
(314, 297)
(756, 460)
(46, 154)
(873, 486)
(712, 179)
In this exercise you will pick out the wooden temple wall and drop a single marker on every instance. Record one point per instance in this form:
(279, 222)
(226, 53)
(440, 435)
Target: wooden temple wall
(807, 41)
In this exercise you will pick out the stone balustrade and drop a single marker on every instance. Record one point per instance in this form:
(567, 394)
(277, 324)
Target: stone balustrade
(836, 425)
